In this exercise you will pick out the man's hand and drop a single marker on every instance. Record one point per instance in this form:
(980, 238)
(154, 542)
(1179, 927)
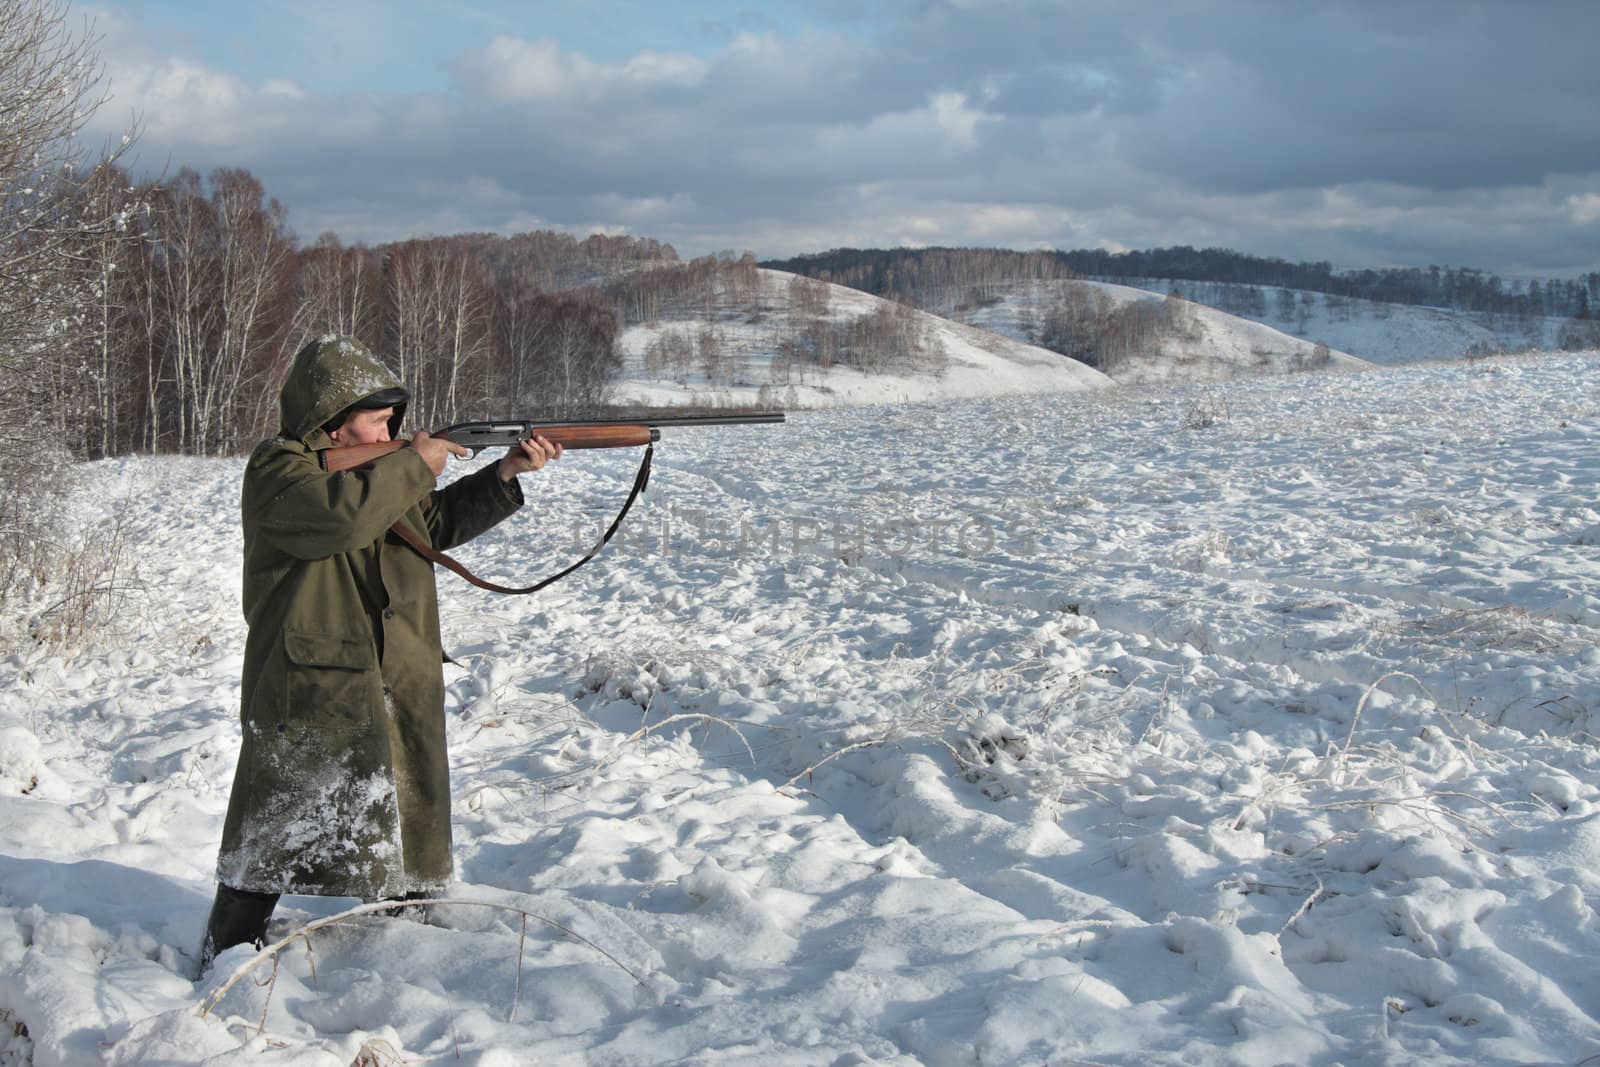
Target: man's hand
(529, 455)
(435, 450)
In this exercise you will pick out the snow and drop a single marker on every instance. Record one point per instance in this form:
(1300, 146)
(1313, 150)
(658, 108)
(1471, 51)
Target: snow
(1239, 723)
(986, 352)
(979, 362)
(1381, 332)
(1214, 345)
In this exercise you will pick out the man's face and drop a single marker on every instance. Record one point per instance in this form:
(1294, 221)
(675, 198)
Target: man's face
(367, 427)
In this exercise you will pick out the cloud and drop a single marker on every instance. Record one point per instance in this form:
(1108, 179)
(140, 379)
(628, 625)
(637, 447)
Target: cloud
(1585, 209)
(1440, 96)
(958, 122)
(513, 69)
(179, 101)
(1462, 132)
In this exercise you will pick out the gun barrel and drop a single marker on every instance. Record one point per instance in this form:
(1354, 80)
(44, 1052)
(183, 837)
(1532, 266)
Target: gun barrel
(591, 433)
(717, 420)
(665, 421)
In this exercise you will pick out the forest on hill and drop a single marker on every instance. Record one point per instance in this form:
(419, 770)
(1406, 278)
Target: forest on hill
(924, 275)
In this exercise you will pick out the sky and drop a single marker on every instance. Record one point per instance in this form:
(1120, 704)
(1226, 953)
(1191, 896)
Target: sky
(1363, 132)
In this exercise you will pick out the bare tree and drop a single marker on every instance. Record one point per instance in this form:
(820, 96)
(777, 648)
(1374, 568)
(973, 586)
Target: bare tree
(581, 356)
(439, 325)
(341, 292)
(1074, 324)
(1579, 334)
(256, 292)
(188, 275)
(715, 360)
(520, 328)
(86, 362)
(49, 86)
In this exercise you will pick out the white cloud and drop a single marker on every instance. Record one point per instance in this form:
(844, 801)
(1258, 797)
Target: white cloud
(1016, 224)
(516, 69)
(1584, 209)
(285, 88)
(955, 118)
(180, 100)
(636, 214)
(892, 146)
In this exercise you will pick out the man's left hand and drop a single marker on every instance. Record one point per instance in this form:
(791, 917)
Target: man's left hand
(529, 455)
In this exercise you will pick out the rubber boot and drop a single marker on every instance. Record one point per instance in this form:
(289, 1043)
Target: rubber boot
(238, 917)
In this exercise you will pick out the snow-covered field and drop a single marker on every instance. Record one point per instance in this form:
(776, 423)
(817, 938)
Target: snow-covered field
(1243, 724)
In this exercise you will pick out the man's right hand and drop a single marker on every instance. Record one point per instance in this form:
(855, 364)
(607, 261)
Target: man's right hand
(435, 450)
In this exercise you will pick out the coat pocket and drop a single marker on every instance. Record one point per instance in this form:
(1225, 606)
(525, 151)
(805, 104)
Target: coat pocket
(332, 682)
(307, 649)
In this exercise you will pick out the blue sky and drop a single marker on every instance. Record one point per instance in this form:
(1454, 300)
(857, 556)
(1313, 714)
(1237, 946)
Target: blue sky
(1363, 132)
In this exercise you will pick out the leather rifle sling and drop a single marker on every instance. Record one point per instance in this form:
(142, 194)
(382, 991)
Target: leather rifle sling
(428, 552)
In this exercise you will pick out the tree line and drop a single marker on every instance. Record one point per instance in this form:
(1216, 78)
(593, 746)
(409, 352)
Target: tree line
(927, 275)
(940, 280)
(1455, 288)
(189, 312)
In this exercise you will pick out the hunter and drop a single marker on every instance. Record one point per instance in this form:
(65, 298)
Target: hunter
(343, 786)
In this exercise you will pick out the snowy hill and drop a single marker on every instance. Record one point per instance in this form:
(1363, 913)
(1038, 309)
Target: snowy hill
(1377, 331)
(1206, 345)
(1247, 723)
(986, 353)
(957, 360)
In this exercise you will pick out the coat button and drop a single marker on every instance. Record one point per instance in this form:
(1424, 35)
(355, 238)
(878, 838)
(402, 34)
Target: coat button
(388, 613)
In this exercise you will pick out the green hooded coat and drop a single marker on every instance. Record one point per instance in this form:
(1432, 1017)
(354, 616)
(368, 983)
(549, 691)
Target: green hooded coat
(343, 785)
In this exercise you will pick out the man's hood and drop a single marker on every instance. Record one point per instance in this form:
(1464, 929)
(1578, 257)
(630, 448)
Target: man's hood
(329, 375)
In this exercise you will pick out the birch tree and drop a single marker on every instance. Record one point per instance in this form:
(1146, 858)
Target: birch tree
(255, 258)
(440, 326)
(341, 291)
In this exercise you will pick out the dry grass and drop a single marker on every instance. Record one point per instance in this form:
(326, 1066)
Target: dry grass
(1209, 409)
(1504, 628)
(63, 590)
(378, 1053)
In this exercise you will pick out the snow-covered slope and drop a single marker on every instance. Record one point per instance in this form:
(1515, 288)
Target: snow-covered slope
(1207, 346)
(1248, 723)
(1382, 332)
(971, 362)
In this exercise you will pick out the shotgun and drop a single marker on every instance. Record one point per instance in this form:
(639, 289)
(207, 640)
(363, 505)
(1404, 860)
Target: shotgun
(587, 433)
(583, 433)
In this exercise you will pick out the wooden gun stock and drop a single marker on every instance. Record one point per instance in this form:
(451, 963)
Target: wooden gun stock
(349, 457)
